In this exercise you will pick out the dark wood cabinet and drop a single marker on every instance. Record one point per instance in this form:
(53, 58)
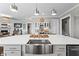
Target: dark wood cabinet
(1, 51)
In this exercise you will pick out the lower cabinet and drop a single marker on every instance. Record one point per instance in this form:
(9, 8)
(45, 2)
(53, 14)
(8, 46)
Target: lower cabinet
(12, 53)
(72, 50)
(59, 50)
(12, 50)
(1, 51)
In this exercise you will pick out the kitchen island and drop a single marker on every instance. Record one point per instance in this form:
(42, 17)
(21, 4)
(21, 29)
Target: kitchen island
(23, 39)
(61, 45)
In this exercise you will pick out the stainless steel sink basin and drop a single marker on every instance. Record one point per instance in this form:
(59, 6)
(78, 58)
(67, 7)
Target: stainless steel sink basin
(39, 47)
(38, 42)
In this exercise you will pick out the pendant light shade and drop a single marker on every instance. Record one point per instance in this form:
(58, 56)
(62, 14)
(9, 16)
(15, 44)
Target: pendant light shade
(36, 12)
(13, 8)
(53, 12)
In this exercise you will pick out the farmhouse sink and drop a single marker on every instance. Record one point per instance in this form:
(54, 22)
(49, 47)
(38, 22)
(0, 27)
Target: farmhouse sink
(39, 47)
(38, 42)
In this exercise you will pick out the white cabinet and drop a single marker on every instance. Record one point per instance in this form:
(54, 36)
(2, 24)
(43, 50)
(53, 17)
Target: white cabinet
(12, 50)
(12, 47)
(38, 27)
(12, 53)
(59, 50)
(55, 26)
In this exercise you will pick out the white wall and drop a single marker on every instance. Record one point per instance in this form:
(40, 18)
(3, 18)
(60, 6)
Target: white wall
(76, 27)
(74, 21)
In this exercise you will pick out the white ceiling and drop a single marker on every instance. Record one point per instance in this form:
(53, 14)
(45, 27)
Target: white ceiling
(26, 10)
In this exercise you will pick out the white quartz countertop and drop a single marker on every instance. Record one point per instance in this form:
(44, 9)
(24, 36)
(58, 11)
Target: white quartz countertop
(23, 39)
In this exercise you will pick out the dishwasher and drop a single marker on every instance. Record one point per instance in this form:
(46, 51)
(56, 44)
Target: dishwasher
(72, 50)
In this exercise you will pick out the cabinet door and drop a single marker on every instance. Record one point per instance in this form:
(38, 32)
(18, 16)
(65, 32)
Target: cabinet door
(1, 50)
(12, 50)
(55, 26)
(13, 47)
(60, 50)
(12, 53)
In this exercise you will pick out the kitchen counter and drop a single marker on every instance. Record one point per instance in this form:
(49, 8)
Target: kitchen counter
(18, 39)
(23, 39)
(60, 39)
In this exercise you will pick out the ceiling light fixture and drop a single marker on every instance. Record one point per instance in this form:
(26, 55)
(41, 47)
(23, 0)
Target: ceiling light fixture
(13, 7)
(53, 12)
(36, 11)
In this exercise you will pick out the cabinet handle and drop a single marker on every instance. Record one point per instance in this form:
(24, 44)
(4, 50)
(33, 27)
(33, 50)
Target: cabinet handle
(12, 48)
(75, 49)
(61, 48)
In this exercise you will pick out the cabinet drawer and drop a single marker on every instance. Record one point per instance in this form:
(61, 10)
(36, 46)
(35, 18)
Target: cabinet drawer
(12, 53)
(59, 48)
(61, 54)
(12, 47)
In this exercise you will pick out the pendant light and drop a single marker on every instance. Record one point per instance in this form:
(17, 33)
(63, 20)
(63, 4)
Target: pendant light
(36, 10)
(53, 12)
(13, 7)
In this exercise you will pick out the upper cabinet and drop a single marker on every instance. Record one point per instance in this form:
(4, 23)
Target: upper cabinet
(55, 24)
(38, 28)
(42, 25)
(5, 26)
